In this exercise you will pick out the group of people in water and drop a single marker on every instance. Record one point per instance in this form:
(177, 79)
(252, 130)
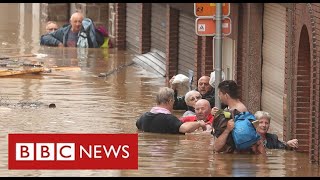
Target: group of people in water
(200, 114)
(199, 104)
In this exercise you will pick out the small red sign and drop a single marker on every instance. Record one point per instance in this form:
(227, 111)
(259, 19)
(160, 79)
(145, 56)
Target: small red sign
(207, 26)
(73, 151)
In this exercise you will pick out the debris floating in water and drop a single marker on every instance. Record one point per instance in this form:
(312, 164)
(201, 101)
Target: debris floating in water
(115, 70)
(52, 105)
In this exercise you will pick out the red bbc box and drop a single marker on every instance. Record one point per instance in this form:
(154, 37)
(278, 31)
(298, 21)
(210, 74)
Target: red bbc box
(73, 151)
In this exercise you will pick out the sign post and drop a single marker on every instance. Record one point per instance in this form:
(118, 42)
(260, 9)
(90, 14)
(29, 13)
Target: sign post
(212, 20)
(218, 54)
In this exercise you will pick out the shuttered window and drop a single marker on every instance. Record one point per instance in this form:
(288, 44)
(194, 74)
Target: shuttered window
(273, 64)
(187, 43)
(158, 29)
(133, 24)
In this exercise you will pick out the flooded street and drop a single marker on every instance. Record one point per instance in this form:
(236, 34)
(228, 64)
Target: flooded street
(87, 103)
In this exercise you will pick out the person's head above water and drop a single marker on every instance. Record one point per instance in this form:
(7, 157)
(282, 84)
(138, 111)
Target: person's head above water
(76, 21)
(51, 26)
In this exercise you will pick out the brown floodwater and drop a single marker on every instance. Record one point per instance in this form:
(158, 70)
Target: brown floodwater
(87, 103)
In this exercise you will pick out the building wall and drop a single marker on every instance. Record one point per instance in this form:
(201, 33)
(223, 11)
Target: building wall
(61, 12)
(54, 12)
(120, 26)
(305, 78)
(248, 59)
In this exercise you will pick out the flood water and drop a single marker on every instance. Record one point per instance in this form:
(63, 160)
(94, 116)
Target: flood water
(87, 103)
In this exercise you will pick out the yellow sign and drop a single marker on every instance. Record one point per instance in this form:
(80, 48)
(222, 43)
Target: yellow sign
(209, 9)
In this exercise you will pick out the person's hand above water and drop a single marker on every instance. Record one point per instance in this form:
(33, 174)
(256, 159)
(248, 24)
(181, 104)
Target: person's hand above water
(214, 110)
(293, 143)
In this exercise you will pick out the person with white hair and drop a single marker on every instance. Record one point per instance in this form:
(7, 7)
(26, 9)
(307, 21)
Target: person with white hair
(271, 141)
(191, 98)
(69, 35)
(160, 119)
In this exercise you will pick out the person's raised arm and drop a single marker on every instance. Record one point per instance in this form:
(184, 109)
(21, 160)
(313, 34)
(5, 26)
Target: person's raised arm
(52, 39)
(189, 127)
(220, 142)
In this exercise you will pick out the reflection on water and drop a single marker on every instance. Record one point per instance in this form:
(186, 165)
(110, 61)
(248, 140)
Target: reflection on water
(87, 103)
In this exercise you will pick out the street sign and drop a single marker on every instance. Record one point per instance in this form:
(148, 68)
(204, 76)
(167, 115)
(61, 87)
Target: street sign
(207, 26)
(209, 9)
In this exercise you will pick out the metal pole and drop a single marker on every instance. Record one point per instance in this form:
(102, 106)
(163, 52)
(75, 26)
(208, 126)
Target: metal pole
(218, 52)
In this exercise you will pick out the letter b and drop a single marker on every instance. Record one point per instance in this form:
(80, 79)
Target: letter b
(45, 151)
(24, 152)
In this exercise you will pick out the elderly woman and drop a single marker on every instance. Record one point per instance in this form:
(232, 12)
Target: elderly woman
(271, 141)
(191, 98)
(160, 120)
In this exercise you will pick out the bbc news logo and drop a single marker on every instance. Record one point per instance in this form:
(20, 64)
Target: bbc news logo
(73, 151)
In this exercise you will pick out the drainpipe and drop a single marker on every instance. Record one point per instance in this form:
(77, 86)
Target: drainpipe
(217, 48)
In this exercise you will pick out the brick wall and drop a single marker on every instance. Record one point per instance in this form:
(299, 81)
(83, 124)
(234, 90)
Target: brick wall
(305, 109)
(145, 34)
(287, 100)
(54, 12)
(198, 58)
(172, 32)
(248, 64)
(206, 56)
(120, 26)
(314, 10)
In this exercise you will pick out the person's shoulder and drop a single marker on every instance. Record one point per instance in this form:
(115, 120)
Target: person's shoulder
(272, 136)
(189, 118)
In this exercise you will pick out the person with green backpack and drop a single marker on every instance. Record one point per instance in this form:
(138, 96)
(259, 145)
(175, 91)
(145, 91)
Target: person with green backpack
(236, 132)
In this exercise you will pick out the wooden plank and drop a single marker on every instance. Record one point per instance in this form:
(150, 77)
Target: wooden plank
(11, 72)
(18, 56)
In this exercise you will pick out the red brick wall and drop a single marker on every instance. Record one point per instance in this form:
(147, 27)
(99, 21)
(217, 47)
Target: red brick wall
(315, 79)
(120, 26)
(198, 57)
(302, 92)
(172, 32)
(206, 56)
(287, 100)
(55, 12)
(306, 78)
(241, 47)
(145, 33)
(249, 53)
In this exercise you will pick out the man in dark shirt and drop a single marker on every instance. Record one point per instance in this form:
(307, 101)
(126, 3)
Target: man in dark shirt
(205, 89)
(160, 120)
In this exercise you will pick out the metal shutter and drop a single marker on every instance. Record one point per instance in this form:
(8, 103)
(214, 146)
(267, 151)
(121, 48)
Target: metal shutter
(133, 24)
(273, 64)
(158, 29)
(187, 43)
